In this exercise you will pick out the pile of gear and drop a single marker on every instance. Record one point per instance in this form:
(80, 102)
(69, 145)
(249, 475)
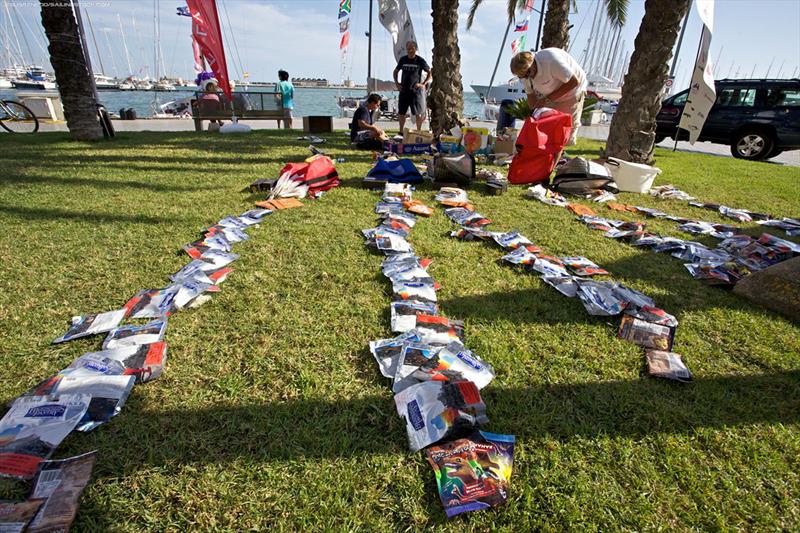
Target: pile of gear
(435, 378)
(95, 386)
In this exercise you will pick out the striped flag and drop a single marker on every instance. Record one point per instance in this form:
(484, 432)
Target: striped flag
(522, 26)
(518, 45)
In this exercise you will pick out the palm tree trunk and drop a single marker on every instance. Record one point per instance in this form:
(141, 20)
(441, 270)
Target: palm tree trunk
(72, 75)
(447, 94)
(556, 24)
(632, 132)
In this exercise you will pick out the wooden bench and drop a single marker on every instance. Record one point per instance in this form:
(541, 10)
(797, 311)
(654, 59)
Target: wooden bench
(246, 106)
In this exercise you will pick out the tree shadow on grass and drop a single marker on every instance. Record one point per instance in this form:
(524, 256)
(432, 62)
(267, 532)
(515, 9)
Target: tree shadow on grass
(95, 182)
(40, 214)
(332, 428)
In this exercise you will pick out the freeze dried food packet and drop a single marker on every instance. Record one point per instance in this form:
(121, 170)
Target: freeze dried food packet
(511, 240)
(15, 516)
(189, 290)
(418, 208)
(438, 329)
(412, 357)
(131, 335)
(409, 273)
(453, 362)
(564, 284)
(387, 352)
(218, 259)
(475, 220)
(83, 326)
(599, 298)
(458, 213)
(520, 256)
(255, 214)
(549, 266)
(397, 226)
(581, 266)
(392, 243)
(151, 303)
(407, 218)
(647, 334)
(669, 365)
(632, 296)
(108, 393)
(652, 314)
(33, 428)
(60, 484)
(473, 473)
(436, 410)
(471, 234)
(404, 313)
(414, 290)
(145, 362)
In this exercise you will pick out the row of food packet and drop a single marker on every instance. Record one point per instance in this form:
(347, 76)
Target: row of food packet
(435, 378)
(643, 323)
(95, 386)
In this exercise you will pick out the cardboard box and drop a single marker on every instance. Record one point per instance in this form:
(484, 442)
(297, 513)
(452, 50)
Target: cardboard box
(506, 141)
(317, 124)
(450, 144)
(406, 149)
(417, 137)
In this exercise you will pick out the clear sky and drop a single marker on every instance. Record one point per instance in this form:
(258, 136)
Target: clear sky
(302, 36)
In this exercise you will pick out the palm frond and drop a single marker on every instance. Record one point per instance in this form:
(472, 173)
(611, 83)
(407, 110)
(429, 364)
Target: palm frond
(472, 10)
(617, 11)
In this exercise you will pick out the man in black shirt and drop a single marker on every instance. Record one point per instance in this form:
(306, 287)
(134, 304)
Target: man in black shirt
(363, 132)
(412, 89)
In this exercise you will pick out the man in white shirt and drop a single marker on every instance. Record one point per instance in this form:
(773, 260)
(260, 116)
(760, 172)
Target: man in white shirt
(552, 78)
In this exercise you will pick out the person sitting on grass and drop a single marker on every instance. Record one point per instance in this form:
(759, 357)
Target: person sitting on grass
(287, 97)
(363, 132)
(210, 102)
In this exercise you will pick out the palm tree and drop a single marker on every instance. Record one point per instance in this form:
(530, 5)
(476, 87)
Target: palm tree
(447, 94)
(632, 132)
(72, 75)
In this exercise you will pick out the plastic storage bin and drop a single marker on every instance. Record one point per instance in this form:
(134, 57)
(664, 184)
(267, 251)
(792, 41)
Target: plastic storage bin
(632, 177)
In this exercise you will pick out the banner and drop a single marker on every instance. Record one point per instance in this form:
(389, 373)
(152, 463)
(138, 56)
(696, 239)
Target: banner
(518, 45)
(702, 92)
(394, 16)
(207, 33)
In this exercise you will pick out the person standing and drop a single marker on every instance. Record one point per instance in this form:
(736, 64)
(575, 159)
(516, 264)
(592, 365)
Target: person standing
(411, 87)
(553, 79)
(286, 89)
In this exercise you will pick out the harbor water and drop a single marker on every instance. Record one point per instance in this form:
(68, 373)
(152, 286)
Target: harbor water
(308, 101)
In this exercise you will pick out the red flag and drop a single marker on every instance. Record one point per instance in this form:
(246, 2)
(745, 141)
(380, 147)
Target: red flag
(345, 40)
(207, 32)
(529, 5)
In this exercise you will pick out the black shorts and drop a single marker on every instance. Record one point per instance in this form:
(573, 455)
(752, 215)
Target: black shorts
(411, 99)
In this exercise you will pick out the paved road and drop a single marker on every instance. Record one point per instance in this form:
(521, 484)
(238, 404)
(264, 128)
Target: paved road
(599, 133)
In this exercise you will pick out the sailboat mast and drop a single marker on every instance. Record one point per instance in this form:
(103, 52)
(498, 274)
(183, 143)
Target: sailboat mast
(125, 45)
(591, 34)
(94, 39)
(111, 51)
(24, 37)
(14, 32)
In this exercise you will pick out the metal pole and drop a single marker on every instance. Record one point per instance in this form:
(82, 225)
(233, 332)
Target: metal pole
(85, 48)
(369, 48)
(497, 63)
(680, 40)
(94, 39)
(541, 22)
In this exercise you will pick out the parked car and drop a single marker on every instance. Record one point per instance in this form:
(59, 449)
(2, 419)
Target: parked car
(758, 119)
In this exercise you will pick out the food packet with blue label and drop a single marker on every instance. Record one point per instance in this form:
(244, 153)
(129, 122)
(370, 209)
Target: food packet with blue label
(425, 362)
(415, 290)
(511, 240)
(132, 334)
(404, 313)
(144, 361)
(33, 428)
(387, 352)
(85, 325)
(473, 473)
(436, 410)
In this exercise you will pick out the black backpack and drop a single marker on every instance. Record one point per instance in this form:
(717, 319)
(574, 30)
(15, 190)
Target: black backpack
(581, 177)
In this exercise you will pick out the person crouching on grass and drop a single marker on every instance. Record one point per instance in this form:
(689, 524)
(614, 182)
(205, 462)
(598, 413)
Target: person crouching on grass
(553, 79)
(363, 132)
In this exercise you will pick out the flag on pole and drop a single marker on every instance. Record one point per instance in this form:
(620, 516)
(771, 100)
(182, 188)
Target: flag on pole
(344, 41)
(207, 34)
(518, 44)
(702, 93)
(529, 5)
(344, 8)
(344, 25)
(183, 11)
(394, 16)
(522, 26)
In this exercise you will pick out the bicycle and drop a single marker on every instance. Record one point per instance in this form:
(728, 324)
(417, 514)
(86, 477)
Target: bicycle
(16, 118)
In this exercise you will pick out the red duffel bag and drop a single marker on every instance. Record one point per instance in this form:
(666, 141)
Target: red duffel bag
(541, 139)
(318, 175)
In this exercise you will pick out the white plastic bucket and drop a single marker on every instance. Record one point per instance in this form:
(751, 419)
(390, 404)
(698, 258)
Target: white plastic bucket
(632, 177)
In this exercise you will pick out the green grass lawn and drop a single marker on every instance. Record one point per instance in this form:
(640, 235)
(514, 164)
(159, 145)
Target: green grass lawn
(271, 411)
